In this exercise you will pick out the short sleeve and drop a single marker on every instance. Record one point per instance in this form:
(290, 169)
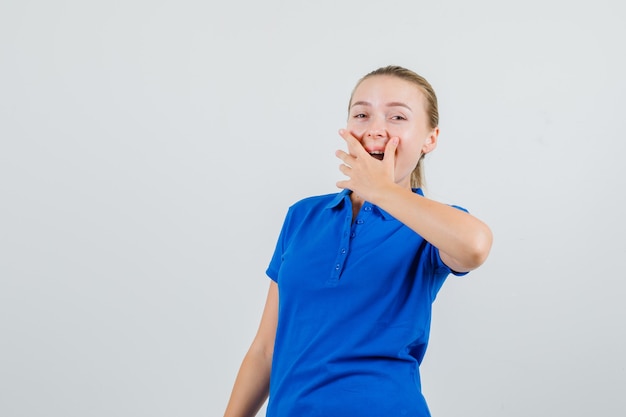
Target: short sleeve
(277, 258)
(440, 262)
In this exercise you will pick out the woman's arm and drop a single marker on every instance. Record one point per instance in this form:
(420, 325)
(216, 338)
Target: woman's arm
(251, 386)
(463, 241)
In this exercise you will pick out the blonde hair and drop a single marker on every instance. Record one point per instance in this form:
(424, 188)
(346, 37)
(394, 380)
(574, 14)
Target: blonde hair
(432, 110)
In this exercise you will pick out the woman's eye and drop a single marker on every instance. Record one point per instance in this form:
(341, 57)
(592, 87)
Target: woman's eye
(399, 118)
(359, 116)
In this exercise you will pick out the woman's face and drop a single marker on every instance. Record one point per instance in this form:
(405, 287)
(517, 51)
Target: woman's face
(384, 107)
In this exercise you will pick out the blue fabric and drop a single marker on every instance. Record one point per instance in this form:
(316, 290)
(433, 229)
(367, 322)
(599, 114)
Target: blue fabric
(354, 312)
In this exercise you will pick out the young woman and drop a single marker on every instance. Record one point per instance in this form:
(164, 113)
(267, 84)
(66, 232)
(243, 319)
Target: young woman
(354, 274)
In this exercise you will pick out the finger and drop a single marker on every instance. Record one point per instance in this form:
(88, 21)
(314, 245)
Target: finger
(390, 149)
(345, 157)
(342, 155)
(345, 169)
(354, 146)
(342, 184)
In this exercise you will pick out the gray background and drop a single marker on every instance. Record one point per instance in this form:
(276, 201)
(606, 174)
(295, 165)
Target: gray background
(149, 151)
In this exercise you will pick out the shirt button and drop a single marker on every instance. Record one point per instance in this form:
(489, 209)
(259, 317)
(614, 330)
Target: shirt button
(368, 208)
(337, 267)
(359, 221)
(343, 251)
(353, 234)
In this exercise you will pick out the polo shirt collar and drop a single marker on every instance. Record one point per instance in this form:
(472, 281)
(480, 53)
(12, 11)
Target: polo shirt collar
(339, 199)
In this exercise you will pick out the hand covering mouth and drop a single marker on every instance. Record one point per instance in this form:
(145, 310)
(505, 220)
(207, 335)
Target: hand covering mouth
(377, 154)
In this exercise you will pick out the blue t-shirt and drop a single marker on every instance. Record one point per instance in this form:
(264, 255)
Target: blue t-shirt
(354, 312)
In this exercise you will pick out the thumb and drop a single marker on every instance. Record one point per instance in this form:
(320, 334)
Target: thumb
(390, 149)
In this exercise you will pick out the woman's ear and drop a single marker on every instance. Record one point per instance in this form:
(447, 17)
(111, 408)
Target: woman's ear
(431, 141)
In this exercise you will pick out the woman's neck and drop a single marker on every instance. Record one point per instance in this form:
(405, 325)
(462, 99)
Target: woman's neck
(357, 203)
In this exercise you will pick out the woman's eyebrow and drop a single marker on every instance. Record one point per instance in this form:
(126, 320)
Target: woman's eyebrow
(398, 104)
(391, 104)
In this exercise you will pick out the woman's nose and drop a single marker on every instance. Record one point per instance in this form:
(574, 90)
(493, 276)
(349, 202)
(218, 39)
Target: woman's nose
(376, 130)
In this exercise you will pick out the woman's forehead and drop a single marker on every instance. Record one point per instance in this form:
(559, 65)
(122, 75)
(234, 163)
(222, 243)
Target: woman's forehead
(387, 89)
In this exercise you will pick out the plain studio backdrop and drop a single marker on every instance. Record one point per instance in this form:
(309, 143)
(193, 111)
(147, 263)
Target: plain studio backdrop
(149, 151)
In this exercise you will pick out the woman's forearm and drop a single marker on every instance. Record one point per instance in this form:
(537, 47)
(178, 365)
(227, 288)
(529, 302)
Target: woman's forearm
(251, 386)
(461, 237)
